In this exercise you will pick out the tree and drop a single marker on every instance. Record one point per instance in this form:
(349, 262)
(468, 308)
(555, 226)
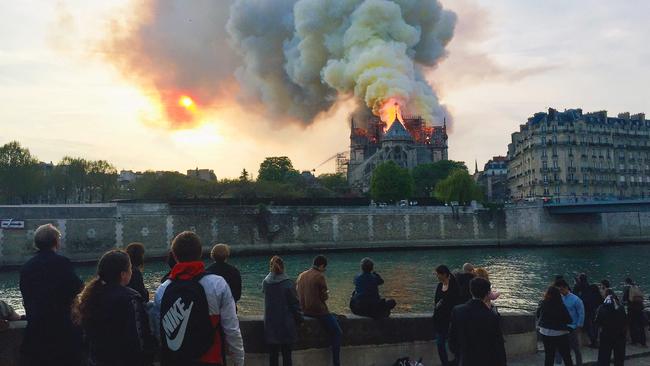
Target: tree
(102, 177)
(390, 183)
(277, 169)
(244, 176)
(458, 187)
(426, 176)
(19, 173)
(336, 183)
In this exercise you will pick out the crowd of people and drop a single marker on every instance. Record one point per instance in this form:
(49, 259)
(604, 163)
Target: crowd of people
(192, 318)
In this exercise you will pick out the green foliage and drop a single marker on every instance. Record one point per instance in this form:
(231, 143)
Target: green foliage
(458, 187)
(277, 169)
(336, 183)
(390, 183)
(19, 173)
(426, 176)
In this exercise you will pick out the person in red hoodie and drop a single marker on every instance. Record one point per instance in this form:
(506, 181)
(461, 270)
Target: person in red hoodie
(180, 306)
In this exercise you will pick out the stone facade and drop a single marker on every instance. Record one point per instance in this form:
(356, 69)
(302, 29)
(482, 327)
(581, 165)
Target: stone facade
(409, 145)
(574, 156)
(494, 179)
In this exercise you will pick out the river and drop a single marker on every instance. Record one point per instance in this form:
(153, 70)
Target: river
(520, 274)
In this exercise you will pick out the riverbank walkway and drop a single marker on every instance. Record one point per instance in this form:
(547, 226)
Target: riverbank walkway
(634, 356)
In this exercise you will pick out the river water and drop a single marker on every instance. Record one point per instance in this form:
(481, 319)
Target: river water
(520, 274)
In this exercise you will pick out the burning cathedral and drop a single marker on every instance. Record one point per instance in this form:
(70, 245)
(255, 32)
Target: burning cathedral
(408, 144)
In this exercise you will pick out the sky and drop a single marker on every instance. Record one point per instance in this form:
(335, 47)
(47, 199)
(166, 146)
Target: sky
(59, 96)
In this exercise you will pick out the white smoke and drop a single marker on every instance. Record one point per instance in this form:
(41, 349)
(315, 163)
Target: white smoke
(300, 55)
(294, 58)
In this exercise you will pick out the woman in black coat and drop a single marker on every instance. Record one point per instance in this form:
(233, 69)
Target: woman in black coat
(553, 320)
(112, 316)
(612, 321)
(447, 296)
(281, 312)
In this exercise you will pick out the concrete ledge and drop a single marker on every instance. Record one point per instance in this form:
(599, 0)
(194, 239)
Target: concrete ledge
(366, 342)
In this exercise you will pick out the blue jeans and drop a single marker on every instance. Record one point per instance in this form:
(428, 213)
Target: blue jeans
(334, 329)
(441, 342)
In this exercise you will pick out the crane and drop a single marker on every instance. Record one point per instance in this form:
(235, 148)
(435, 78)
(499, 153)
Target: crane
(341, 160)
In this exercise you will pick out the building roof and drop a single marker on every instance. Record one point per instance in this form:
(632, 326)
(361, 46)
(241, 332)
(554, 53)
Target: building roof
(397, 132)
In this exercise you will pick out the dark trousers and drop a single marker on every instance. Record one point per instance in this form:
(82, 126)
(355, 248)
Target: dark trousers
(609, 345)
(591, 328)
(442, 336)
(558, 344)
(40, 360)
(637, 322)
(377, 309)
(274, 353)
(331, 324)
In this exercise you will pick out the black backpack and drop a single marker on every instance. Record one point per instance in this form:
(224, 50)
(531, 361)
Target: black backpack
(186, 331)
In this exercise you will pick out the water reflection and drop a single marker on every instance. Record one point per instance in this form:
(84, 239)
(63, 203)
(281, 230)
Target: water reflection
(521, 275)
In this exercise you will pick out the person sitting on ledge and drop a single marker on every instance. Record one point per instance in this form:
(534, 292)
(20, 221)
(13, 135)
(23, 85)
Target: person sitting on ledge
(365, 299)
(313, 294)
(7, 314)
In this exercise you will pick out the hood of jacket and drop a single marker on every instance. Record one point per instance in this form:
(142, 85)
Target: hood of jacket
(273, 278)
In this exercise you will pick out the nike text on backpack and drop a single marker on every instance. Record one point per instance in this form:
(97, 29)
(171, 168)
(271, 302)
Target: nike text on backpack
(186, 330)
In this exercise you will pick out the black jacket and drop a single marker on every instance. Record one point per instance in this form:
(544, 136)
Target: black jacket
(48, 284)
(230, 274)
(444, 303)
(475, 335)
(463, 279)
(281, 309)
(120, 335)
(553, 316)
(137, 283)
(612, 321)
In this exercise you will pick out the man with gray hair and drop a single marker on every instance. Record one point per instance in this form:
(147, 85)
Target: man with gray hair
(49, 284)
(463, 278)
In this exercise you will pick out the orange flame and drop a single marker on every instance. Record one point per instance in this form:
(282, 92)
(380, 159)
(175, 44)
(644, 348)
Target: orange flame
(390, 110)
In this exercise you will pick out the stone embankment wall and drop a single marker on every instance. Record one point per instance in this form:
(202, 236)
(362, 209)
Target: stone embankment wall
(533, 225)
(89, 230)
(366, 342)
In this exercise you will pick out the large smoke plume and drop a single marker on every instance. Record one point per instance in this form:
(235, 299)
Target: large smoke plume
(288, 59)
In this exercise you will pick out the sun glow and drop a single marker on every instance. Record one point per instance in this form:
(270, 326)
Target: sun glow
(186, 102)
(204, 135)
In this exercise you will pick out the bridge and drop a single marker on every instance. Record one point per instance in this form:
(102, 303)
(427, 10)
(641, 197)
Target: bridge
(577, 206)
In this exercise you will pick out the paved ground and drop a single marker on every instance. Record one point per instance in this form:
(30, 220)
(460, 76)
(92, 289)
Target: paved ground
(637, 356)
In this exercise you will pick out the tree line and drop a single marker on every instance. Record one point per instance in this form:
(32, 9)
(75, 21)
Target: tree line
(24, 179)
(446, 180)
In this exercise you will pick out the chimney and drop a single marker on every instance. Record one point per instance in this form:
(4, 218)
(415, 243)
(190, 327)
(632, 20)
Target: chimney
(625, 116)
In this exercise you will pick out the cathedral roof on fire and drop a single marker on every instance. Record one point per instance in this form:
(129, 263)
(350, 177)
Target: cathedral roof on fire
(397, 132)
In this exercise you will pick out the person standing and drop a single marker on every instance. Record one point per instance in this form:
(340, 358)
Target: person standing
(313, 295)
(446, 297)
(576, 310)
(633, 298)
(193, 306)
(590, 296)
(612, 321)
(604, 286)
(49, 284)
(553, 321)
(365, 300)
(475, 333)
(136, 255)
(463, 278)
(220, 254)
(281, 312)
(113, 317)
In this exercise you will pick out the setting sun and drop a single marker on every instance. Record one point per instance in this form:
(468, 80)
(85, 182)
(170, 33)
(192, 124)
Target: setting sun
(186, 101)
